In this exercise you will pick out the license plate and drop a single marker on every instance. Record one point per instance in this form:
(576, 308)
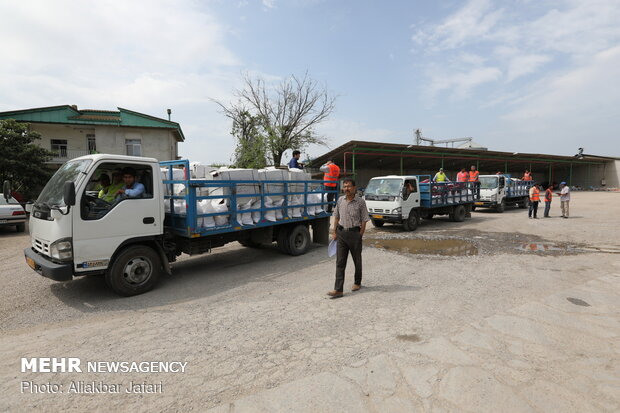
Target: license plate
(478, 203)
(377, 216)
(3, 221)
(31, 263)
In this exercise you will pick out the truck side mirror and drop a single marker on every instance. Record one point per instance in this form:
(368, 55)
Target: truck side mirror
(6, 190)
(68, 192)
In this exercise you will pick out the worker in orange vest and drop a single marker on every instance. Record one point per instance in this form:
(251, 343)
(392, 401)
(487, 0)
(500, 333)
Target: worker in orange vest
(474, 181)
(534, 199)
(527, 176)
(332, 173)
(462, 176)
(548, 197)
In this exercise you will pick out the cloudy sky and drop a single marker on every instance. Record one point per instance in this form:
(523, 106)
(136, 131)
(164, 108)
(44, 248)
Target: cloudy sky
(535, 76)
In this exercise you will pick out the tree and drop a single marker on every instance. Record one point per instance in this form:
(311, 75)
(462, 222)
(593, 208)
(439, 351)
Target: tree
(287, 113)
(22, 161)
(250, 151)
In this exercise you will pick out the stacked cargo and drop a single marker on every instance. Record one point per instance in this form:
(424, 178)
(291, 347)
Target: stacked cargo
(248, 194)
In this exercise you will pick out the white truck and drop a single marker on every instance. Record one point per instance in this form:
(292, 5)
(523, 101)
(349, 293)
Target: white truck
(131, 241)
(407, 199)
(500, 191)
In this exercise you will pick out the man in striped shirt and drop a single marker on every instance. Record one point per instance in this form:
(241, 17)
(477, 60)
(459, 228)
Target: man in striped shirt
(350, 218)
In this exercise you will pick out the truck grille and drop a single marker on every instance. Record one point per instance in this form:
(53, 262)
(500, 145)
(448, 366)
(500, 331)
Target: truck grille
(41, 246)
(379, 210)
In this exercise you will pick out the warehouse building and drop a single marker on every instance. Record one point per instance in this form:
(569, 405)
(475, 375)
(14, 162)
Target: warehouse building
(363, 160)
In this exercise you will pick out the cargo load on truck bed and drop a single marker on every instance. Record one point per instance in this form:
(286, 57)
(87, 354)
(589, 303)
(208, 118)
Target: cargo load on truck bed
(227, 200)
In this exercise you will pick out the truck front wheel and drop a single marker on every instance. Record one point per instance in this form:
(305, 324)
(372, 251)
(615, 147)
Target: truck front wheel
(501, 206)
(135, 271)
(377, 223)
(411, 223)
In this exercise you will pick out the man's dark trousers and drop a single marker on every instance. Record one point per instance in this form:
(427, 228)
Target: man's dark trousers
(533, 209)
(547, 208)
(348, 241)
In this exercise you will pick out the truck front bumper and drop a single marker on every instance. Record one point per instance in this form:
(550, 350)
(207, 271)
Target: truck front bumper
(485, 204)
(47, 268)
(386, 217)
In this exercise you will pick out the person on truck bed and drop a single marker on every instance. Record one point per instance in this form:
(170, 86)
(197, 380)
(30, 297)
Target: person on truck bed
(462, 176)
(441, 176)
(474, 181)
(294, 162)
(131, 189)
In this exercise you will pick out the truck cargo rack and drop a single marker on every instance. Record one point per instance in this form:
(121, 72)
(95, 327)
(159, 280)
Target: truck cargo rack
(186, 225)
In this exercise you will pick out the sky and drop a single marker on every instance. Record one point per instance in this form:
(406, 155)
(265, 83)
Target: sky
(529, 76)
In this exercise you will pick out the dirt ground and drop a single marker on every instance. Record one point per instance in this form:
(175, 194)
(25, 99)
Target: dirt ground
(249, 322)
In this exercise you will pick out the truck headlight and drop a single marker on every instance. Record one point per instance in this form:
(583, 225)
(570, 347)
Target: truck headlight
(62, 249)
(397, 211)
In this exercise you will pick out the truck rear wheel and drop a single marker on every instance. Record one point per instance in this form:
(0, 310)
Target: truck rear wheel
(501, 206)
(411, 223)
(377, 223)
(459, 213)
(524, 203)
(299, 240)
(282, 240)
(135, 271)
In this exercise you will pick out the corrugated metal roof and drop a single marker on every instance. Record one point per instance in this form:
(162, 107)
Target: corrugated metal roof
(379, 147)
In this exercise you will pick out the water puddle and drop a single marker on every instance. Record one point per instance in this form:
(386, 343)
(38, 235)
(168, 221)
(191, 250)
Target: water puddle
(413, 338)
(540, 247)
(447, 247)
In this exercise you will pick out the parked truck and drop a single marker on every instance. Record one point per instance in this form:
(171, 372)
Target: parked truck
(132, 241)
(500, 191)
(407, 199)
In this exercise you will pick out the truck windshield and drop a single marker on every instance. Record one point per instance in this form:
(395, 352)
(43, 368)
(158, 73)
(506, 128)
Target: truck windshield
(52, 194)
(488, 182)
(384, 186)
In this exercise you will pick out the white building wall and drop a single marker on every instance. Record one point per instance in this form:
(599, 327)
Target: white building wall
(612, 174)
(156, 143)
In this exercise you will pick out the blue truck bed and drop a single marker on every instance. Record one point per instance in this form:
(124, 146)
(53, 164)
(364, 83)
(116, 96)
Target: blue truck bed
(187, 225)
(442, 194)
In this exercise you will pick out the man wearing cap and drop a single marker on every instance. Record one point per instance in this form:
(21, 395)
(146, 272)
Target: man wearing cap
(440, 176)
(564, 198)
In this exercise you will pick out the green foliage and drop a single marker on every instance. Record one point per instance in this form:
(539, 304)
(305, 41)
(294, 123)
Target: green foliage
(22, 161)
(251, 149)
(270, 119)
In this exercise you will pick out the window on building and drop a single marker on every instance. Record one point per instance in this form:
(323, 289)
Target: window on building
(92, 143)
(59, 146)
(134, 147)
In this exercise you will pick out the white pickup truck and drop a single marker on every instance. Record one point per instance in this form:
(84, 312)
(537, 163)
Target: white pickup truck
(406, 199)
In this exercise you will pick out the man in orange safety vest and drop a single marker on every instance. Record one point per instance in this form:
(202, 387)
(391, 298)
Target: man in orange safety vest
(332, 174)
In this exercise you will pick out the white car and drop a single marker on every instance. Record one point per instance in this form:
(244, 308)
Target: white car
(12, 213)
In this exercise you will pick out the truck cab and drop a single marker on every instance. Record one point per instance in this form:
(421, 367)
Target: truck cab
(500, 190)
(493, 191)
(74, 232)
(391, 198)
